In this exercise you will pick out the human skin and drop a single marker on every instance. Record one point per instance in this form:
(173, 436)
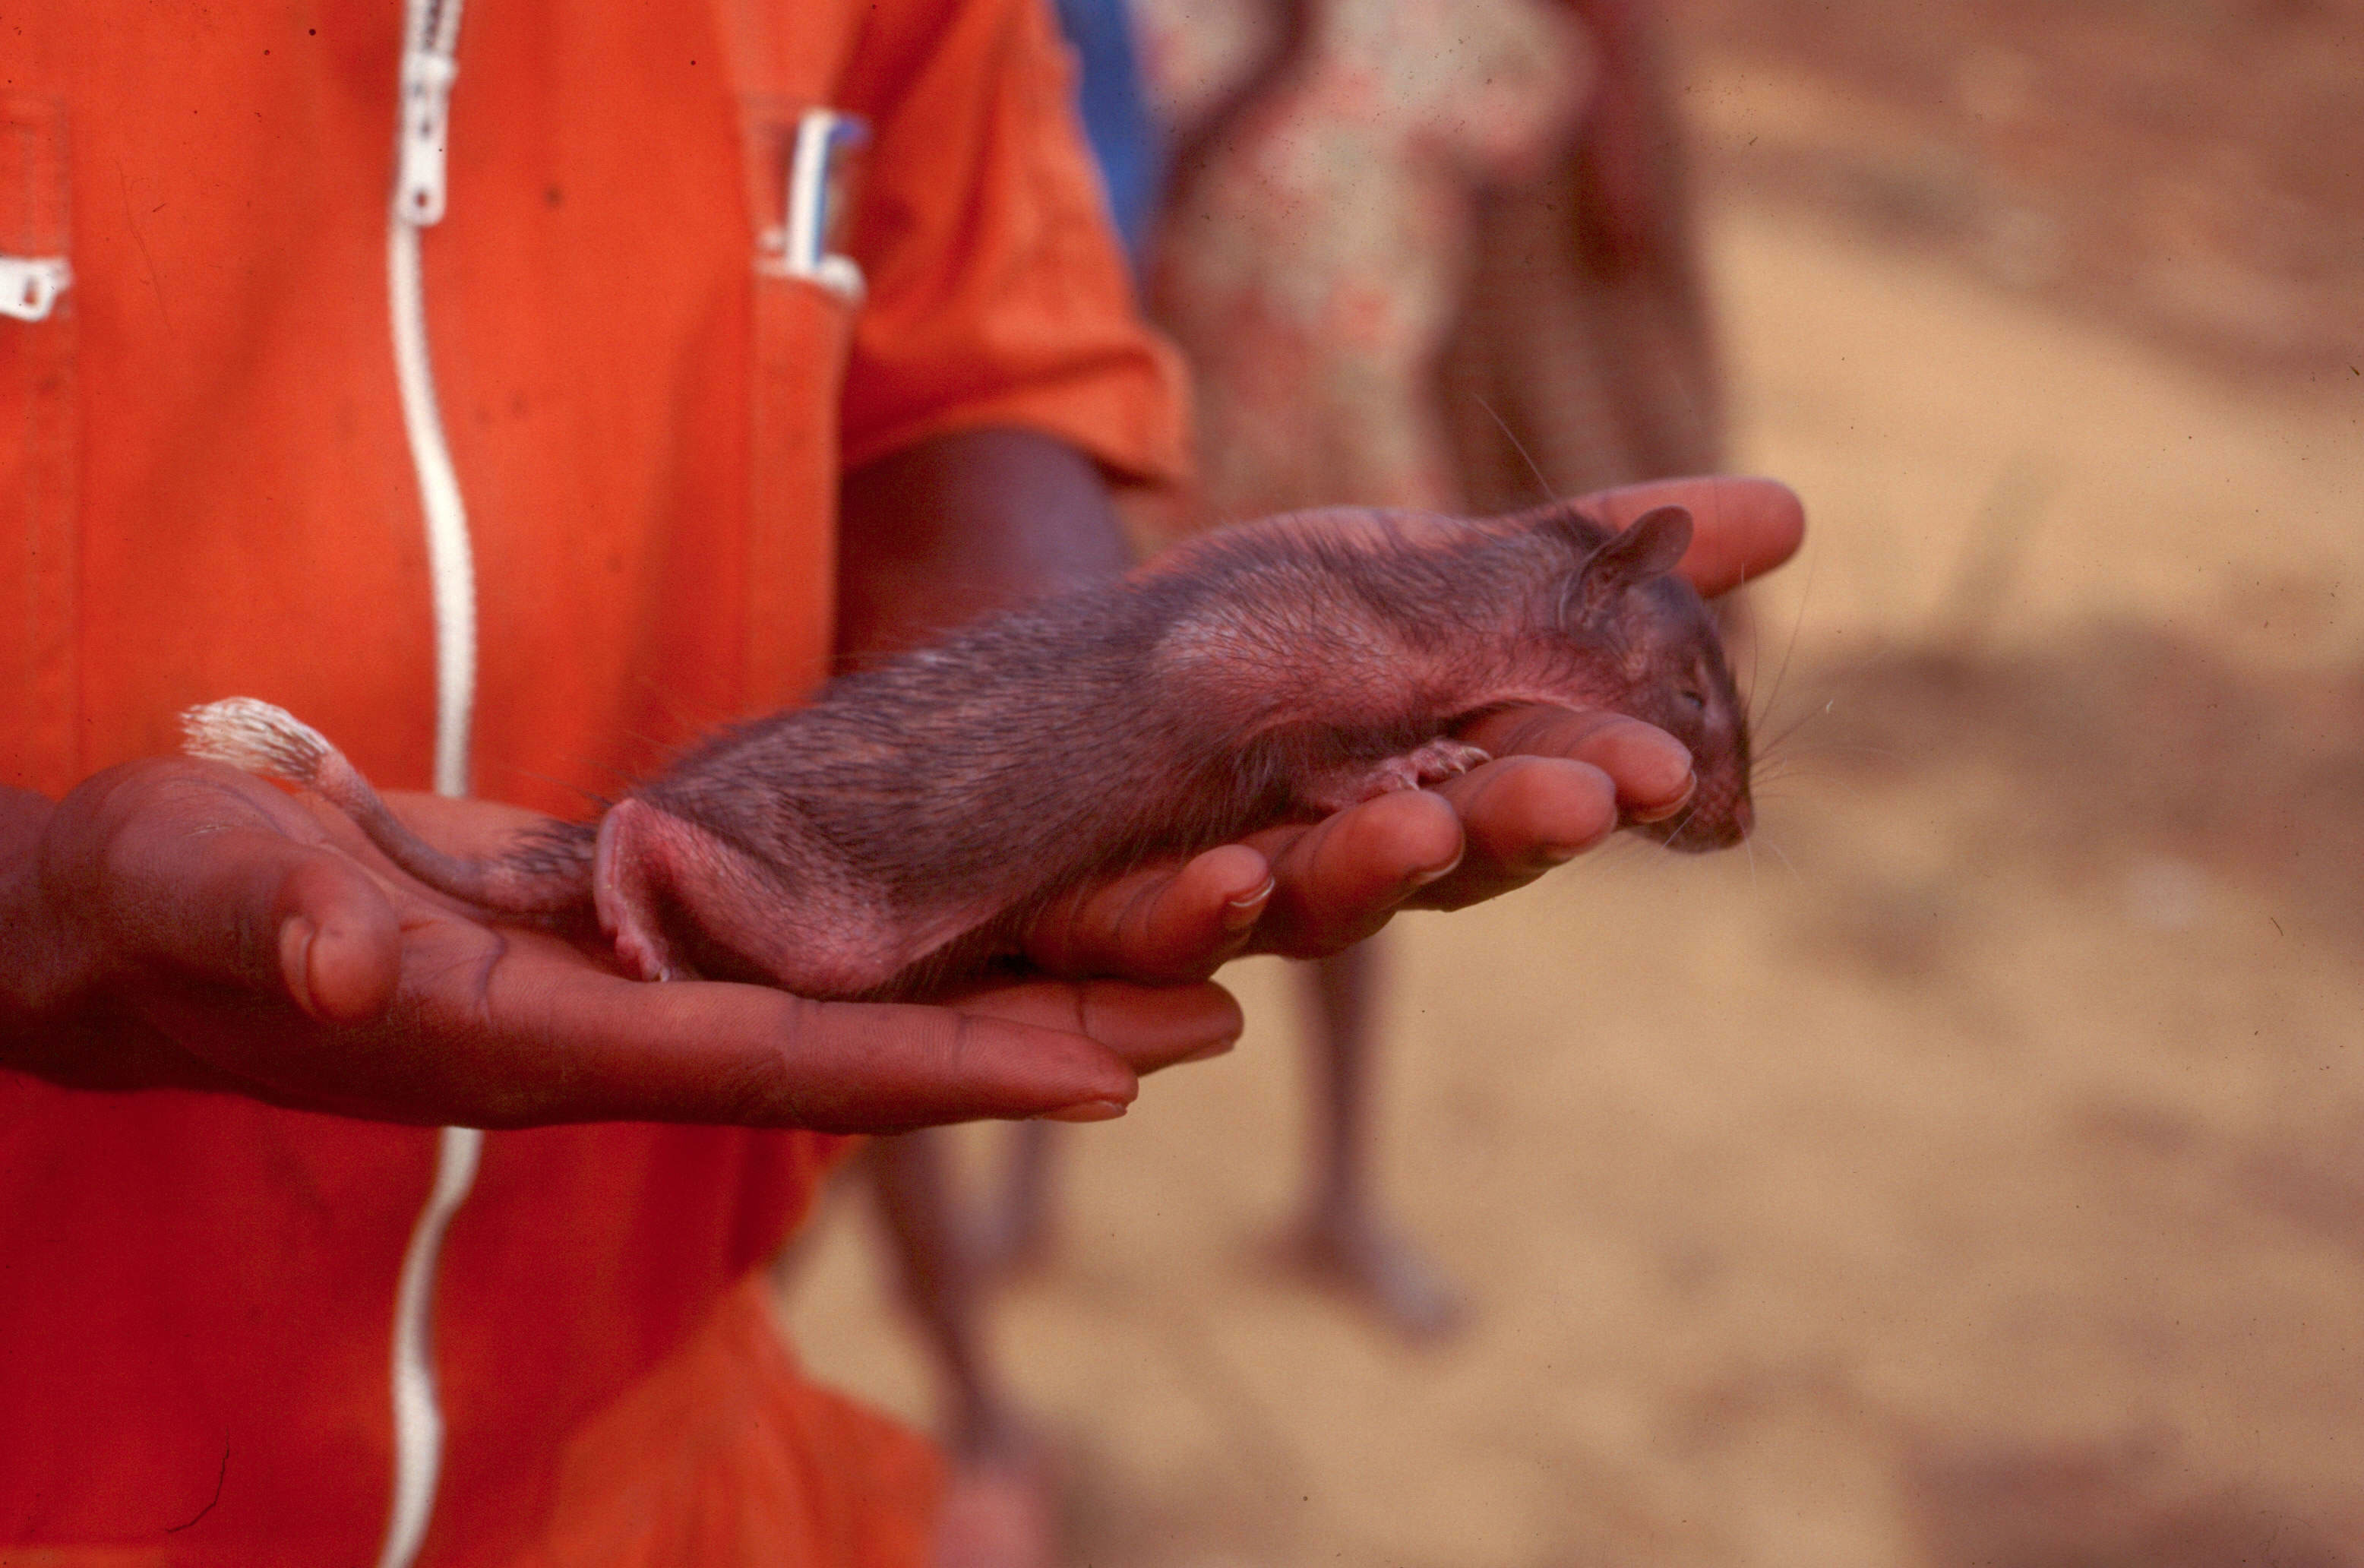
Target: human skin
(173, 923)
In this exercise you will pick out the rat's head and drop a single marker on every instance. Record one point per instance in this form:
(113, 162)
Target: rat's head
(1650, 634)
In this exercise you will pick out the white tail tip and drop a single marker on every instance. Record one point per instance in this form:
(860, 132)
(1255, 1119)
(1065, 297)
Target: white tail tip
(257, 737)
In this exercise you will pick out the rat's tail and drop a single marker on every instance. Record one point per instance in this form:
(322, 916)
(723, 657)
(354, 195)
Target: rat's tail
(548, 874)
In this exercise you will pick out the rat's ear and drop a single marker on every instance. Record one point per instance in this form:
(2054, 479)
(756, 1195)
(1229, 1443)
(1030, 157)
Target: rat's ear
(1643, 552)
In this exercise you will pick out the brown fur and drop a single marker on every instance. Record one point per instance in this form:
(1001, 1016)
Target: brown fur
(898, 831)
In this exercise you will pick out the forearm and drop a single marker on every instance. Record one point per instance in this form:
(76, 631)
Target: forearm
(30, 983)
(947, 531)
(23, 815)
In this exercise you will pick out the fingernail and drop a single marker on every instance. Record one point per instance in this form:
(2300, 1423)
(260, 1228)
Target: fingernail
(1422, 878)
(296, 937)
(1660, 813)
(1086, 1110)
(1245, 910)
(1207, 1053)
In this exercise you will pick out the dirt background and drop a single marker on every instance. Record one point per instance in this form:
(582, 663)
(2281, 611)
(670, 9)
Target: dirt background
(1974, 1172)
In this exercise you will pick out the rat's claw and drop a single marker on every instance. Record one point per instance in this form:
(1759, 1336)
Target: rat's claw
(1446, 758)
(1433, 762)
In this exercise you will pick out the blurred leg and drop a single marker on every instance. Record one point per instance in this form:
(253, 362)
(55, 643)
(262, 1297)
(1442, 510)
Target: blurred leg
(1015, 1233)
(1344, 1237)
(1000, 1502)
(941, 1284)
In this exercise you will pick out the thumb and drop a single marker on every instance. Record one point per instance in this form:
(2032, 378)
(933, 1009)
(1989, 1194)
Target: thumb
(253, 910)
(197, 877)
(337, 945)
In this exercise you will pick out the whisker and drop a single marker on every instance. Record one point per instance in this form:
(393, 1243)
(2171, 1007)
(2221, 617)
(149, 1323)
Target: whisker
(1804, 597)
(1799, 723)
(1518, 447)
(1843, 682)
(1824, 751)
(1821, 780)
(1855, 747)
(1781, 785)
(1755, 653)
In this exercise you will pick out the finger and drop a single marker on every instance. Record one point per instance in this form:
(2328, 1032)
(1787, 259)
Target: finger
(1160, 924)
(1337, 882)
(1650, 770)
(200, 873)
(1521, 816)
(1150, 1027)
(580, 1046)
(1741, 529)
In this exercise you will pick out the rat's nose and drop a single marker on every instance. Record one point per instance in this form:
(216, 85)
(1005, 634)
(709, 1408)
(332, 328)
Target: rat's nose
(1713, 825)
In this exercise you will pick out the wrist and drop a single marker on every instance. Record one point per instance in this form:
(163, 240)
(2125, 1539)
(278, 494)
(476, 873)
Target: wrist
(963, 525)
(38, 981)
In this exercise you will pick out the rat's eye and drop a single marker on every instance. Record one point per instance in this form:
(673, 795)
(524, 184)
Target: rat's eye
(1693, 700)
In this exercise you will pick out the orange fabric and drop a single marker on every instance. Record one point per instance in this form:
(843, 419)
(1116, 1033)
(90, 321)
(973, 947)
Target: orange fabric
(726, 1450)
(249, 521)
(207, 492)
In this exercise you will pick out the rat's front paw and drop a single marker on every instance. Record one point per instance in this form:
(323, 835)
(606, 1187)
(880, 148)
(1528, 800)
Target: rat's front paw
(1432, 762)
(1441, 759)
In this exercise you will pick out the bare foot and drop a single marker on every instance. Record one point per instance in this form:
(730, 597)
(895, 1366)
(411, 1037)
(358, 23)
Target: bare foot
(1381, 1271)
(1001, 1504)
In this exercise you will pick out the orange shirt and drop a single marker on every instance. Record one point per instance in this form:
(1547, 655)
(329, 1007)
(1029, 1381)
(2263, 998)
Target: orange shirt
(205, 490)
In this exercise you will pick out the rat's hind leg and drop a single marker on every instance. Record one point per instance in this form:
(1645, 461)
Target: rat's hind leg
(1431, 761)
(806, 933)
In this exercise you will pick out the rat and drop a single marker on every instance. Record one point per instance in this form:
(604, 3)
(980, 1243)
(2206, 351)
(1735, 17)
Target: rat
(897, 833)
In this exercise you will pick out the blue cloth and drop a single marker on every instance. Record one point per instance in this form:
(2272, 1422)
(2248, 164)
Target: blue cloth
(1115, 113)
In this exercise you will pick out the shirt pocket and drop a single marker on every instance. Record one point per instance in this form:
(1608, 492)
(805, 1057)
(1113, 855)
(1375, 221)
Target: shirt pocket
(39, 442)
(801, 163)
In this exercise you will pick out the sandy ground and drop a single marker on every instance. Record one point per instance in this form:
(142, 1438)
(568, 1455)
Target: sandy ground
(1973, 1174)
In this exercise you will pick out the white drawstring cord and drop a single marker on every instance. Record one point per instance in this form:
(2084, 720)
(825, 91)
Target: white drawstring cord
(450, 563)
(427, 70)
(417, 1418)
(430, 35)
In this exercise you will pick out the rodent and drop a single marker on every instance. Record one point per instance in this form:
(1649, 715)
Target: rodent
(897, 832)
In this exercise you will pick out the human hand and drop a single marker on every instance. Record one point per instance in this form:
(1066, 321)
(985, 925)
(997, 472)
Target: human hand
(1562, 780)
(180, 924)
